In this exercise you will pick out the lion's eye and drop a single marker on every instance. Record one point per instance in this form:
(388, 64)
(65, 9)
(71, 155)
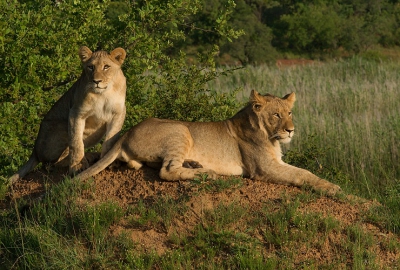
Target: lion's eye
(106, 67)
(277, 115)
(91, 67)
(290, 113)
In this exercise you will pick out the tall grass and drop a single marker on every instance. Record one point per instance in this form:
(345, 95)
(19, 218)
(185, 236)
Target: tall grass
(351, 108)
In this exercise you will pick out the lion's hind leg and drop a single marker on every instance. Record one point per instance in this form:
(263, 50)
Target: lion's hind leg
(172, 170)
(191, 164)
(133, 164)
(176, 165)
(130, 160)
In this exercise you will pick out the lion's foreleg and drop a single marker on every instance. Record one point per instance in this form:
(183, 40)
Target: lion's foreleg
(112, 133)
(76, 145)
(289, 175)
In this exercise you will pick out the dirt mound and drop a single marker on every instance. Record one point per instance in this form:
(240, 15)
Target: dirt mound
(128, 187)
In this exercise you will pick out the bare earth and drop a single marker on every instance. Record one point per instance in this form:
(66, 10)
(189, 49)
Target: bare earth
(127, 187)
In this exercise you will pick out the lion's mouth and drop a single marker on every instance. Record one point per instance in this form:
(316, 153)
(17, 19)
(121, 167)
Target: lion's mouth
(278, 137)
(275, 136)
(98, 89)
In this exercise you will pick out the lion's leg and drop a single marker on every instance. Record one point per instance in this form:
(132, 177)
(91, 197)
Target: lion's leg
(63, 160)
(176, 165)
(130, 161)
(51, 144)
(133, 164)
(290, 175)
(172, 170)
(112, 132)
(76, 128)
(191, 164)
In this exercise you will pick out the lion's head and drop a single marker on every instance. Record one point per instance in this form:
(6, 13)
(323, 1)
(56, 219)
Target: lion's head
(274, 115)
(100, 67)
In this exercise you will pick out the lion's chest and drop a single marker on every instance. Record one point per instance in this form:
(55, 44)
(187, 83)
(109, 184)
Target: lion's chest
(99, 109)
(96, 110)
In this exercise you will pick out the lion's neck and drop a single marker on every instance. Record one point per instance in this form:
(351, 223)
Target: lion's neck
(246, 125)
(278, 151)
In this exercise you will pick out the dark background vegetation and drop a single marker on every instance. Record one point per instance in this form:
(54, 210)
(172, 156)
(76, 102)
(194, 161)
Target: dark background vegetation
(316, 29)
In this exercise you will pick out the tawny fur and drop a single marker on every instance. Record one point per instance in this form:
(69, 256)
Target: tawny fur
(247, 144)
(93, 108)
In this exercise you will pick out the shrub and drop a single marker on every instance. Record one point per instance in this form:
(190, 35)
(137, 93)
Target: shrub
(38, 62)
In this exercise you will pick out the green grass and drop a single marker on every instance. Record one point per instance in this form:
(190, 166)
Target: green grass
(68, 230)
(158, 213)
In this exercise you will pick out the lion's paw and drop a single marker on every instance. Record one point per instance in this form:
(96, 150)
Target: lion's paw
(210, 174)
(75, 169)
(191, 164)
(329, 188)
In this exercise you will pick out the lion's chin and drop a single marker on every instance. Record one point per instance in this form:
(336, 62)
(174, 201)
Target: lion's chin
(99, 90)
(285, 140)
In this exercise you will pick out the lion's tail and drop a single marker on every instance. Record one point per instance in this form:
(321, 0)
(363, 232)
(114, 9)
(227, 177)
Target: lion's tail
(100, 165)
(25, 169)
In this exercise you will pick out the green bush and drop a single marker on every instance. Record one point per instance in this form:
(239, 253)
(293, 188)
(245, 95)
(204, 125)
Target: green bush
(39, 61)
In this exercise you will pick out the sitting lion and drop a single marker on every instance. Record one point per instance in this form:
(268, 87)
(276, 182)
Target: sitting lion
(246, 144)
(93, 107)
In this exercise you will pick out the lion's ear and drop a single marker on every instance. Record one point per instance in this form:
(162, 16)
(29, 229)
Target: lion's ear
(255, 96)
(290, 98)
(119, 54)
(84, 53)
(257, 100)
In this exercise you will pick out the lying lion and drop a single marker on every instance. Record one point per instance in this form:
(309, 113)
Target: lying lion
(246, 144)
(93, 108)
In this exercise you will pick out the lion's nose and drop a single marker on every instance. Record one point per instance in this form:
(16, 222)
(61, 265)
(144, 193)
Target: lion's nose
(289, 130)
(97, 81)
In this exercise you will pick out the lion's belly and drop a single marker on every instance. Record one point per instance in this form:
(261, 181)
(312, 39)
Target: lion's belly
(227, 169)
(221, 161)
(214, 148)
(222, 167)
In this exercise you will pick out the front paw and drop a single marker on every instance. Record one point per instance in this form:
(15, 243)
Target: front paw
(328, 187)
(77, 168)
(333, 190)
(212, 175)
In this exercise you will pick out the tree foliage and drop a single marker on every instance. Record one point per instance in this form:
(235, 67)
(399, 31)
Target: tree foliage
(312, 28)
(316, 27)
